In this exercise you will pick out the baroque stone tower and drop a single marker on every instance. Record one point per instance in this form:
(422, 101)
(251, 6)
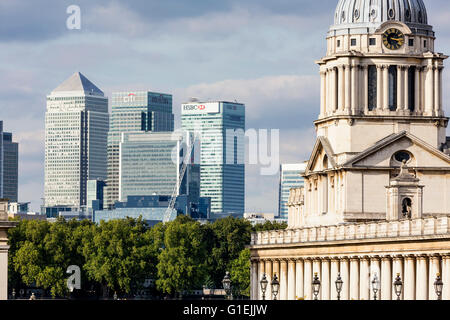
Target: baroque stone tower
(381, 106)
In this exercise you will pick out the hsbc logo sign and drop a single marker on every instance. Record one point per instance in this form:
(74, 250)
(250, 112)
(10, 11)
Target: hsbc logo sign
(200, 108)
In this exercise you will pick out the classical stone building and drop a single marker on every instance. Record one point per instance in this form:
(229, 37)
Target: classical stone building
(376, 198)
(5, 225)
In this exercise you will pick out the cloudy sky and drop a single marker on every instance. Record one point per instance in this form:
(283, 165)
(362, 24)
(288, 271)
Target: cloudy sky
(259, 52)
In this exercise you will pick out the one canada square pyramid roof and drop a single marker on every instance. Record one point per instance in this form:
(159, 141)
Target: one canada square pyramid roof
(80, 84)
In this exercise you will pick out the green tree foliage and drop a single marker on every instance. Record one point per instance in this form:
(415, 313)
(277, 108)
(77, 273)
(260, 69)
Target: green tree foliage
(183, 261)
(120, 255)
(240, 274)
(269, 226)
(229, 238)
(41, 252)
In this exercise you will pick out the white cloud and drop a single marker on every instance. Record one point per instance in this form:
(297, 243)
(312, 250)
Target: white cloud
(272, 97)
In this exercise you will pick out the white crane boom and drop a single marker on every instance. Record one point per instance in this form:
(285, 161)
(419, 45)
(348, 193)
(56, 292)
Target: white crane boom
(176, 189)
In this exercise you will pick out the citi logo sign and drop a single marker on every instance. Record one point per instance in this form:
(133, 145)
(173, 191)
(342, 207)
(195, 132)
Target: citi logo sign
(130, 98)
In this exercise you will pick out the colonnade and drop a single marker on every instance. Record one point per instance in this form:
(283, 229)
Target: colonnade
(345, 89)
(417, 271)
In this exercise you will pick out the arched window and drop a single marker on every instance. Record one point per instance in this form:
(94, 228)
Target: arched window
(407, 208)
(372, 81)
(325, 162)
(393, 88)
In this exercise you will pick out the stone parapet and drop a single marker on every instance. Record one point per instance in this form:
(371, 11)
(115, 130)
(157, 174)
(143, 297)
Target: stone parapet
(433, 226)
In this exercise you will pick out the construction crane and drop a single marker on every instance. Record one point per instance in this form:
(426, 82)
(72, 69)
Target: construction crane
(176, 189)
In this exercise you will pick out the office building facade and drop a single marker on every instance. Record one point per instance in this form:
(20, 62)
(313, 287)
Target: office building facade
(290, 178)
(150, 164)
(9, 166)
(95, 195)
(133, 112)
(76, 131)
(220, 127)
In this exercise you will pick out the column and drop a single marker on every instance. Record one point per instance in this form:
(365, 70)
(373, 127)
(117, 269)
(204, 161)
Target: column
(400, 92)
(409, 282)
(436, 90)
(291, 279)
(283, 280)
(386, 278)
(261, 272)
(354, 278)
(276, 271)
(429, 90)
(365, 95)
(299, 279)
(374, 269)
(255, 280)
(440, 84)
(379, 87)
(417, 98)
(333, 277)
(328, 92)
(335, 89)
(345, 275)
(3, 271)
(269, 279)
(364, 278)
(326, 281)
(323, 91)
(307, 284)
(446, 276)
(354, 85)
(341, 88)
(385, 88)
(421, 278)
(397, 268)
(434, 267)
(406, 88)
(348, 89)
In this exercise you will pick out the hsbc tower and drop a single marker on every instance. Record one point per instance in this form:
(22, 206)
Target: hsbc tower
(219, 126)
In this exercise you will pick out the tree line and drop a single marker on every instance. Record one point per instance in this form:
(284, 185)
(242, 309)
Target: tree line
(120, 255)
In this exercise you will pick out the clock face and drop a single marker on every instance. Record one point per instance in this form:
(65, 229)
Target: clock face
(393, 39)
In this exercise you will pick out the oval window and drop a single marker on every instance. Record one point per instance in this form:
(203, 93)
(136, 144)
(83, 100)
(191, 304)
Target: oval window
(402, 156)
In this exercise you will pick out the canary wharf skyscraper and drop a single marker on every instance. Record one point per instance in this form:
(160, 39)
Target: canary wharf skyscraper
(76, 131)
(142, 111)
(9, 164)
(222, 168)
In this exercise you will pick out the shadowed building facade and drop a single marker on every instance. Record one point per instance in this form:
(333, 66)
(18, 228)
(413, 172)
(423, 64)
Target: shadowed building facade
(9, 166)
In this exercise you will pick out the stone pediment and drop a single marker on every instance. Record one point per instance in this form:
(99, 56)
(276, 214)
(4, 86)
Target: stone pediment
(381, 154)
(321, 149)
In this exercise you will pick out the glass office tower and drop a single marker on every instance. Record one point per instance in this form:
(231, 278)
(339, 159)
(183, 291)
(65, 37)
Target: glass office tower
(76, 131)
(133, 112)
(220, 126)
(150, 165)
(9, 166)
(290, 177)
